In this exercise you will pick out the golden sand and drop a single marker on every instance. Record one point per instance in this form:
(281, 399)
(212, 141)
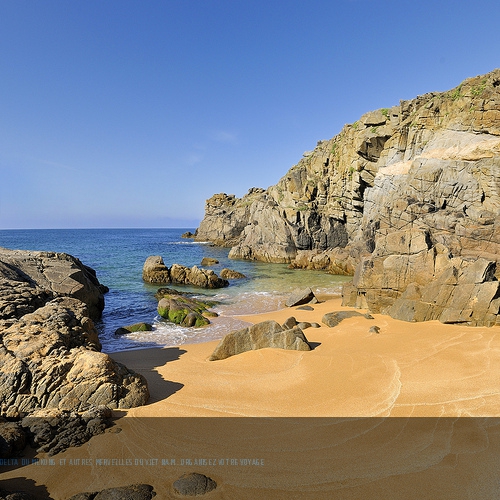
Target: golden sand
(398, 414)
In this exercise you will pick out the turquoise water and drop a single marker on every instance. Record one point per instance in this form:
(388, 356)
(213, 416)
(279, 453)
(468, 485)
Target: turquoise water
(118, 255)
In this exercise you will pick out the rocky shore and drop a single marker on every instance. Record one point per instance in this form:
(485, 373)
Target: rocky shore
(408, 193)
(56, 388)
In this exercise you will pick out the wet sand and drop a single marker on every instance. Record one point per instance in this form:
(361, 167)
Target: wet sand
(410, 412)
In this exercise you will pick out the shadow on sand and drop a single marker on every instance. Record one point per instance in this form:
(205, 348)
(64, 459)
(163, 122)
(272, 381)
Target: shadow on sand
(21, 485)
(145, 362)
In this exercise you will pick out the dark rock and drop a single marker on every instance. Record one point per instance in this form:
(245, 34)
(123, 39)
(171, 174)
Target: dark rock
(303, 325)
(16, 495)
(374, 329)
(300, 297)
(259, 336)
(12, 439)
(137, 327)
(229, 274)
(132, 492)
(334, 318)
(209, 261)
(305, 308)
(187, 234)
(289, 323)
(193, 484)
(52, 431)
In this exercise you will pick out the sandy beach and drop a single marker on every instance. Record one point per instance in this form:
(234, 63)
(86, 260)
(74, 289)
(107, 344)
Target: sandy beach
(410, 412)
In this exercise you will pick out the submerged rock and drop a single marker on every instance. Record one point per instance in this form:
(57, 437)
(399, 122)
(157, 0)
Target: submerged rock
(259, 336)
(229, 274)
(137, 327)
(209, 261)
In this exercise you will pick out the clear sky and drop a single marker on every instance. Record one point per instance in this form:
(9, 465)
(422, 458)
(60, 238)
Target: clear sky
(117, 113)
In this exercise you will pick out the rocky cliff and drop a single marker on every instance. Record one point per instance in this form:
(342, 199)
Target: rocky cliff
(427, 170)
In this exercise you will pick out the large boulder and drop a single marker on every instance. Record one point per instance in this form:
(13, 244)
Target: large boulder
(47, 274)
(155, 271)
(259, 336)
(51, 359)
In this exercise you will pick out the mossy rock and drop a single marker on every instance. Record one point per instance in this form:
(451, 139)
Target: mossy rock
(185, 311)
(195, 319)
(137, 327)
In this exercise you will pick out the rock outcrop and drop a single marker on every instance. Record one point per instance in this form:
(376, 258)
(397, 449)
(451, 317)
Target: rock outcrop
(265, 334)
(50, 355)
(155, 271)
(28, 279)
(412, 279)
(428, 167)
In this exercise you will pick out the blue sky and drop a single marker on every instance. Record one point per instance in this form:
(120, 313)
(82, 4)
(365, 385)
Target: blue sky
(132, 113)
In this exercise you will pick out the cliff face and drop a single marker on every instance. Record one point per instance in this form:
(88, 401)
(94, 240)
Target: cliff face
(430, 165)
(433, 160)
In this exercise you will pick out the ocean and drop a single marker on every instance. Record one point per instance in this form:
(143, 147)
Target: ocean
(118, 255)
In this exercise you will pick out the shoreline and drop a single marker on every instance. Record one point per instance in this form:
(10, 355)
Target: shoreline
(361, 414)
(422, 369)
